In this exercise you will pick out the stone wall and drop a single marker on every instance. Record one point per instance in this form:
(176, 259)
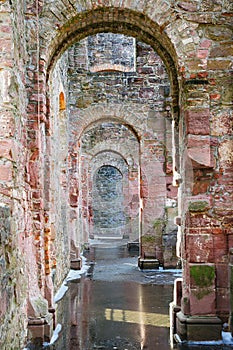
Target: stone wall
(144, 92)
(194, 40)
(14, 207)
(57, 179)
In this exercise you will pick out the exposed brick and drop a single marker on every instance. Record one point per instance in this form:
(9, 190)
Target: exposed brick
(200, 248)
(6, 172)
(197, 122)
(194, 40)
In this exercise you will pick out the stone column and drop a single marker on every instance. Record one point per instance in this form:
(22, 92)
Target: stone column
(203, 241)
(231, 289)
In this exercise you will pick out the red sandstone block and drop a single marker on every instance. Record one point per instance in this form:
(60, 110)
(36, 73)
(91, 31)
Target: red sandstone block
(222, 51)
(205, 43)
(6, 191)
(6, 148)
(195, 64)
(200, 151)
(202, 53)
(199, 248)
(34, 173)
(6, 172)
(220, 247)
(219, 64)
(222, 275)
(222, 300)
(7, 124)
(230, 241)
(187, 6)
(197, 121)
(202, 305)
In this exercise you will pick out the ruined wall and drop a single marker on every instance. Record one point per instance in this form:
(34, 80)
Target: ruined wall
(207, 172)
(14, 206)
(57, 203)
(97, 82)
(110, 144)
(194, 39)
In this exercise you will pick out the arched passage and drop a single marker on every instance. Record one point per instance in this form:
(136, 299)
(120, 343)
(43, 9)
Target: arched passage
(142, 22)
(108, 216)
(152, 178)
(110, 143)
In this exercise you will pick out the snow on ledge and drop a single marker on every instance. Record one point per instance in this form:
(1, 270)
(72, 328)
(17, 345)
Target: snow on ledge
(73, 275)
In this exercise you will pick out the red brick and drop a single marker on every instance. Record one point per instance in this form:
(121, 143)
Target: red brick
(202, 306)
(220, 247)
(222, 275)
(6, 172)
(199, 248)
(6, 148)
(202, 53)
(197, 122)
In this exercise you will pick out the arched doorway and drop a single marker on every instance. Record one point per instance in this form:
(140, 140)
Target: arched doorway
(158, 39)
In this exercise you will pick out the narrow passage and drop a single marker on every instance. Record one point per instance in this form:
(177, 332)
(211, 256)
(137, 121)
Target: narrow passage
(116, 306)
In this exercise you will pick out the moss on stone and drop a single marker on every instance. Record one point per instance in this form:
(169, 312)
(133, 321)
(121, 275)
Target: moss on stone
(158, 223)
(203, 276)
(148, 239)
(198, 206)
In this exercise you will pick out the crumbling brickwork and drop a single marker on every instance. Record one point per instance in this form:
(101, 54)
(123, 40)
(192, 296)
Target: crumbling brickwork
(39, 186)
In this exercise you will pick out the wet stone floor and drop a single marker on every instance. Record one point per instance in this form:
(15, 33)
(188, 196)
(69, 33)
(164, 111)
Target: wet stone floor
(116, 306)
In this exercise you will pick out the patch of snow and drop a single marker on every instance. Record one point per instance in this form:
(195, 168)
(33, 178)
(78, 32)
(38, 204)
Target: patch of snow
(210, 342)
(61, 292)
(56, 334)
(73, 275)
(227, 338)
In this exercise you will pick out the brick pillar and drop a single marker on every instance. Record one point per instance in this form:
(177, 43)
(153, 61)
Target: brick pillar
(203, 242)
(153, 196)
(231, 289)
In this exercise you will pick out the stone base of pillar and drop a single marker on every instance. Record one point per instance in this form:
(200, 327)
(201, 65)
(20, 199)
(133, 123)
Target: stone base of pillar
(76, 264)
(198, 328)
(148, 263)
(40, 330)
(133, 246)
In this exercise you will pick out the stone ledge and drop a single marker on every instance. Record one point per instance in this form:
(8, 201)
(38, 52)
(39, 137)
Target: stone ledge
(148, 263)
(198, 328)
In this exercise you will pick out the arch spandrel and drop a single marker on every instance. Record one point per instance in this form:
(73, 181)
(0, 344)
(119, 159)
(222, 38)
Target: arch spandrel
(59, 32)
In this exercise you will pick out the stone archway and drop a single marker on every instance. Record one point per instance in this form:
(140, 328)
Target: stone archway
(195, 42)
(69, 36)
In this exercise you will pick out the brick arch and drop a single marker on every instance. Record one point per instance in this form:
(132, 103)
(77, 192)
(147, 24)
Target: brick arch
(101, 113)
(113, 162)
(92, 118)
(116, 20)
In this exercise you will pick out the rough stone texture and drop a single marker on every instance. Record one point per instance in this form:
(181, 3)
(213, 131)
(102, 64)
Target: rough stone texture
(194, 40)
(112, 94)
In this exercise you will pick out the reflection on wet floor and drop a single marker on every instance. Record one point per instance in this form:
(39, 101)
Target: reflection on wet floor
(116, 306)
